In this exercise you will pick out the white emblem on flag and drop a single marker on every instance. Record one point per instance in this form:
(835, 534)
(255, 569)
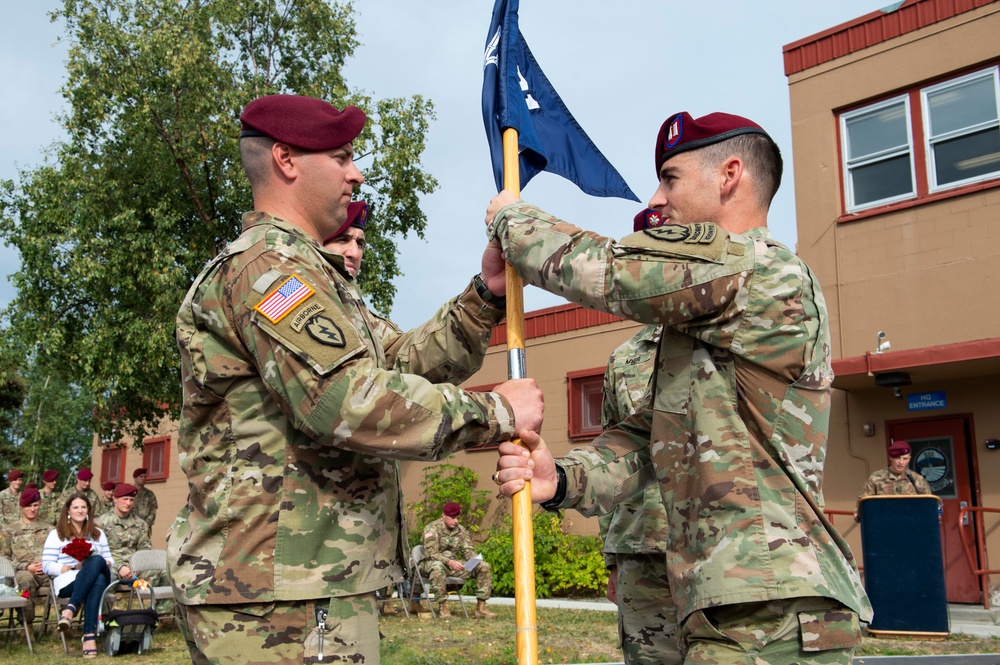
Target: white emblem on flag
(528, 99)
(284, 299)
(490, 57)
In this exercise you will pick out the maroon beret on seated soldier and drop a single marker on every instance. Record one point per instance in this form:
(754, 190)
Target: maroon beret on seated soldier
(50, 475)
(84, 474)
(141, 471)
(15, 474)
(29, 496)
(357, 215)
(898, 449)
(125, 489)
(108, 486)
(452, 509)
(303, 122)
(31, 483)
(681, 132)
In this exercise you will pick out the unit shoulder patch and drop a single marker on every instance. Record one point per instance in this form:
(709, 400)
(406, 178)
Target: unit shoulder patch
(702, 241)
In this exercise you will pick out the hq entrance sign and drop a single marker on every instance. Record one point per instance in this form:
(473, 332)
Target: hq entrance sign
(926, 401)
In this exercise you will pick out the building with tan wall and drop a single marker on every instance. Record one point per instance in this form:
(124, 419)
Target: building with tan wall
(896, 144)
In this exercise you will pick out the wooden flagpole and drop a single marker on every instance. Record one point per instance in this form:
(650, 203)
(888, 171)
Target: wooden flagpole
(524, 539)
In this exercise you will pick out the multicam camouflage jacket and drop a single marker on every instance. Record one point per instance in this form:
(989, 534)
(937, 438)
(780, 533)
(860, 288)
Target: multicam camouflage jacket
(297, 403)
(126, 535)
(884, 482)
(22, 542)
(737, 429)
(10, 509)
(95, 501)
(145, 506)
(48, 512)
(443, 544)
(102, 505)
(639, 525)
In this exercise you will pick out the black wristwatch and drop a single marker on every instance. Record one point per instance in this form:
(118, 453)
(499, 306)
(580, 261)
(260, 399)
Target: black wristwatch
(487, 295)
(560, 494)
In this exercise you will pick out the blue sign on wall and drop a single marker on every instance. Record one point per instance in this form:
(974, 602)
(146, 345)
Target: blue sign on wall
(926, 401)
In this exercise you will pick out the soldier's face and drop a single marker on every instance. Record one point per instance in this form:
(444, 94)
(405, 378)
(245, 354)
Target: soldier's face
(16, 484)
(688, 192)
(139, 480)
(108, 494)
(899, 464)
(30, 513)
(351, 245)
(450, 522)
(324, 186)
(49, 485)
(123, 505)
(82, 485)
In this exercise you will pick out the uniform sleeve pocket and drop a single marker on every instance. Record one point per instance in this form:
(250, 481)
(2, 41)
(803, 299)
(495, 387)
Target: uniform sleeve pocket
(822, 630)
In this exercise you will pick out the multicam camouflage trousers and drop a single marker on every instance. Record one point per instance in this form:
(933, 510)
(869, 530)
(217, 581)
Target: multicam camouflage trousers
(647, 617)
(283, 633)
(804, 631)
(437, 571)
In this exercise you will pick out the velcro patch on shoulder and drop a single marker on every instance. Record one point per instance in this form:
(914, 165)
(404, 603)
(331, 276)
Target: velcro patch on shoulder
(705, 242)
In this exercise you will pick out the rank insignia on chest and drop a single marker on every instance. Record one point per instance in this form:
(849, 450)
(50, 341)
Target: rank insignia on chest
(282, 300)
(322, 329)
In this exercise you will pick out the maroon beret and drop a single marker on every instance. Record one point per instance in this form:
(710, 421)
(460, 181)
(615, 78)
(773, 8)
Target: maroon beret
(50, 475)
(898, 449)
(304, 122)
(29, 496)
(139, 472)
(84, 474)
(452, 509)
(647, 219)
(681, 132)
(108, 486)
(28, 485)
(15, 474)
(357, 215)
(124, 489)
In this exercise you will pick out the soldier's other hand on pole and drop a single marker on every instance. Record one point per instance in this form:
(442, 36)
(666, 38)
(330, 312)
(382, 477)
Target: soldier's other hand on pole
(494, 268)
(526, 399)
(531, 460)
(505, 197)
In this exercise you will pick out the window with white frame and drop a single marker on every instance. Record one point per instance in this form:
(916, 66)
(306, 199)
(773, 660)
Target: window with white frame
(878, 154)
(926, 141)
(962, 126)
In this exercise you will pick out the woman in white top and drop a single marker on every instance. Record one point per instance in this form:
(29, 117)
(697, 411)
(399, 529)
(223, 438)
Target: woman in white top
(83, 582)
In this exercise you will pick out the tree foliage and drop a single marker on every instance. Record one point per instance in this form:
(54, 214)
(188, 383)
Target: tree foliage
(147, 186)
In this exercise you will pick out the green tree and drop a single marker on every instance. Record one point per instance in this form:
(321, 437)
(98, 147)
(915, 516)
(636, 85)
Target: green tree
(123, 214)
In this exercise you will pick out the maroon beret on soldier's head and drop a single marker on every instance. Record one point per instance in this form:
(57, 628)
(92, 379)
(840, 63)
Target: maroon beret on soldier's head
(124, 489)
(452, 509)
(681, 132)
(647, 219)
(357, 215)
(304, 122)
(141, 471)
(898, 449)
(28, 485)
(84, 474)
(108, 486)
(29, 496)
(50, 476)
(15, 474)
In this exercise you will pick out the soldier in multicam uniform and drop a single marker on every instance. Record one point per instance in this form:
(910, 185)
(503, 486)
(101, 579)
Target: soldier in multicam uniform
(897, 478)
(106, 500)
(126, 532)
(297, 403)
(82, 486)
(49, 512)
(22, 542)
(635, 534)
(737, 427)
(9, 496)
(447, 546)
(145, 500)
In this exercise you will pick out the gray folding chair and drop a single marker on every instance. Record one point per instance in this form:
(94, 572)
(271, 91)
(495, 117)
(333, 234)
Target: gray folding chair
(13, 605)
(150, 561)
(420, 585)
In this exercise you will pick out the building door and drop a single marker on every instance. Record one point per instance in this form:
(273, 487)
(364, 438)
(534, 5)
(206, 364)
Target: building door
(942, 453)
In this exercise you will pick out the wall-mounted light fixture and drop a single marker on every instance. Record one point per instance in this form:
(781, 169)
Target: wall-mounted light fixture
(868, 429)
(992, 444)
(894, 380)
(881, 343)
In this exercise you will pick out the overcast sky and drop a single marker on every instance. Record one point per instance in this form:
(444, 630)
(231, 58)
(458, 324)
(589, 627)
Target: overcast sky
(621, 68)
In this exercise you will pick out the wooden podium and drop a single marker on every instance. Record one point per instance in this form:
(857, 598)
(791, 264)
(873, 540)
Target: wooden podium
(904, 565)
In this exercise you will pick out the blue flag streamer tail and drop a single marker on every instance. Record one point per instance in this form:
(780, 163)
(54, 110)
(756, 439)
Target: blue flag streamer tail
(517, 94)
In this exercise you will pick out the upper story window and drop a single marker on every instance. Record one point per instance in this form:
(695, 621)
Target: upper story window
(925, 141)
(156, 458)
(113, 463)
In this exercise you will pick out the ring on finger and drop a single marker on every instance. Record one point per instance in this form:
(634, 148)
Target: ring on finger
(496, 479)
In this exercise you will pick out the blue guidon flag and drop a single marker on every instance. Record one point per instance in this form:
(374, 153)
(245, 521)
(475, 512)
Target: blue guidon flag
(516, 94)
(284, 299)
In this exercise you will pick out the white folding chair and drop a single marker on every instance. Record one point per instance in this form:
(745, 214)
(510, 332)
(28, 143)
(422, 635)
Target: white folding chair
(14, 605)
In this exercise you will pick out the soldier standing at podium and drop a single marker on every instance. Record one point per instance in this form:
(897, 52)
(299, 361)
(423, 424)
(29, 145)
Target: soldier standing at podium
(898, 478)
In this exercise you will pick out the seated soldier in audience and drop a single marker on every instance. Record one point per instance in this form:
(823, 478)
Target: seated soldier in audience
(22, 543)
(105, 499)
(126, 532)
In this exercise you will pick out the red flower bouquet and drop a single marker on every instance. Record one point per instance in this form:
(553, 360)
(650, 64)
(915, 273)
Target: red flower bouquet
(78, 548)
(25, 594)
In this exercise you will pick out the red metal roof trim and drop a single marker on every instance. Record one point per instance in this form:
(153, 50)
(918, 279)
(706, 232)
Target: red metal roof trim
(928, 355)
(554, 320)
(871, 29)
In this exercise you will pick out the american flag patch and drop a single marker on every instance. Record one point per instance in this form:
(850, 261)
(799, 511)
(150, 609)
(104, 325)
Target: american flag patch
(284, 299)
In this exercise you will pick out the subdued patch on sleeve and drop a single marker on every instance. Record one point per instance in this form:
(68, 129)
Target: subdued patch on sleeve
(702, 242)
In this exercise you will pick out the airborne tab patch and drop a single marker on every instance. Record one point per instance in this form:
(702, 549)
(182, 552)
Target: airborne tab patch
(289, 295)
